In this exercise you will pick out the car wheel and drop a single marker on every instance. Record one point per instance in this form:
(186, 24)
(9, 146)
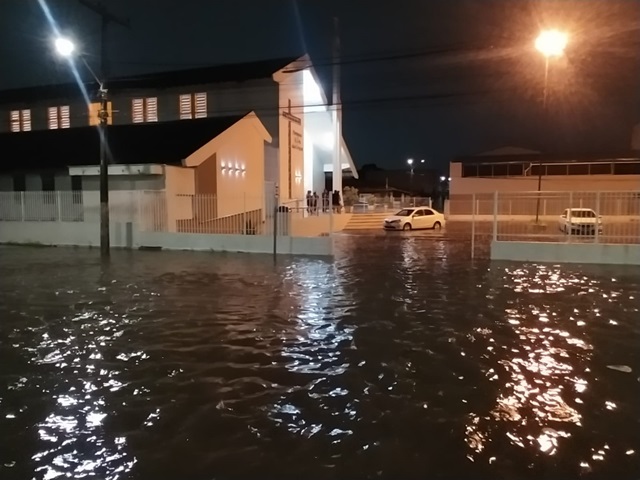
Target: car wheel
(406, 226)
(437, 226)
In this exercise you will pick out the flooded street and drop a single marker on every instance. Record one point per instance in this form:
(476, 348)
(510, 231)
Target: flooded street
(400, 359)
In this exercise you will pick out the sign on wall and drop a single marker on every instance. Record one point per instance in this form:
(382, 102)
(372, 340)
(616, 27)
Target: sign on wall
(295, 147)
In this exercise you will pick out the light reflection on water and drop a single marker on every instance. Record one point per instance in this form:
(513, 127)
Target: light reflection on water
(399, 358)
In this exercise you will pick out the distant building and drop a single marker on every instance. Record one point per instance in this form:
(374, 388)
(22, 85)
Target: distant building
(513, 169)
(284, 94)
(421, 182)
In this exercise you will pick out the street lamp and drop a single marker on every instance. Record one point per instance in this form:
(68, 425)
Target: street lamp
(551, 44)
(66, 48)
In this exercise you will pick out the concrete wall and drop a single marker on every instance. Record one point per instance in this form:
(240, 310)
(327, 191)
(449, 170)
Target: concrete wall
(584, 183)
(126, 236)
(566, 253)
(179, 183)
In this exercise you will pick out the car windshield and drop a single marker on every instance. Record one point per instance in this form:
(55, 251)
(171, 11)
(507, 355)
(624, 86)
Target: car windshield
(405, 212)
(582, 214)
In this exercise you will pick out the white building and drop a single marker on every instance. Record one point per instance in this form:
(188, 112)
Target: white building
(298, 141)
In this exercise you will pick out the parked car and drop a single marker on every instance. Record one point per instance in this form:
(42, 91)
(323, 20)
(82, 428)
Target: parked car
(414, 218)
(580, 221)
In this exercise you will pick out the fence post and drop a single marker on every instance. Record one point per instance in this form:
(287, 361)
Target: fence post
(495, 216)
(473, 225)
(22, 206)
(58, 204)
(569, 216)
(244, 214)
(275, 222)
(597, 217)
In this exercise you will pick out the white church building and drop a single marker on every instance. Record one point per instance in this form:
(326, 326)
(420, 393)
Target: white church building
(295, 125)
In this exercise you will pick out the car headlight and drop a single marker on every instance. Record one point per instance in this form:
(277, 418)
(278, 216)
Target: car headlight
(394, 221)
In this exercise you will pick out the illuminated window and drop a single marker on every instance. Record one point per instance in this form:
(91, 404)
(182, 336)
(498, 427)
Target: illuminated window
(94, 114)
(59, 117)
(193, 105)
(144, 109)
(21, 120)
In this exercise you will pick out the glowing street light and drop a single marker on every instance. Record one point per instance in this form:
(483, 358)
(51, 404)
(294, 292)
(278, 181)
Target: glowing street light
(64, 46)
(551, 43)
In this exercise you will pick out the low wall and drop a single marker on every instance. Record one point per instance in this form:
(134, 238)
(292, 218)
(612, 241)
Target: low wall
(124, 235)
(65, 233)
(566, 252)
(237, 243)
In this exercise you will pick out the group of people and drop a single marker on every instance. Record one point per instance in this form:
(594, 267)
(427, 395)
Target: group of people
(328, 200)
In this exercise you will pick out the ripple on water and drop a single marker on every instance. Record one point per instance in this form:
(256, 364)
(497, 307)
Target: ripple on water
(398, 358)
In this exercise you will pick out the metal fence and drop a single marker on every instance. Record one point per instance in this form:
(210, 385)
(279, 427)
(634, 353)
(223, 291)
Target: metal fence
(157, 211)
(383, 203)
(596, 217)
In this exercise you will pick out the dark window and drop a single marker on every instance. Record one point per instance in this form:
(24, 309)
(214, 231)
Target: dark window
(579, 169)
(516, 170)
(76, 183)
(469, 170)
(501, 170)
(418, 213)
(48, 187)
(600, 169)
(556, 169)
(428, 212)
(485, 170)
(626, 168)
(48, 183)
(19, 183)
(76, 190)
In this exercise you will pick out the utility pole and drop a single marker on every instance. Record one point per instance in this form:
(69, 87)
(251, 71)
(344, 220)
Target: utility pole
(337, 134)
(106, 18)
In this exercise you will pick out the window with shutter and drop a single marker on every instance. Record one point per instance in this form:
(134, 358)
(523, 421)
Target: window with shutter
(151, 105)
(25, 121)
(15, 120)
(53, 118)
(137, 110)
(65, 120)
(200, 101)
(186, 112)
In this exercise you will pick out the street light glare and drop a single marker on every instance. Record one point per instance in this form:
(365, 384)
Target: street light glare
(551, 43)
(410, 161)
(64, 46)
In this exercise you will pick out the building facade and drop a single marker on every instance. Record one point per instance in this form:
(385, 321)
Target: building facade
(518, 170)
(284, 94)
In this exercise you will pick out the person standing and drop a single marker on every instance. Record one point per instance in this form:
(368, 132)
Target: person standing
(314, 203)
(309, 201)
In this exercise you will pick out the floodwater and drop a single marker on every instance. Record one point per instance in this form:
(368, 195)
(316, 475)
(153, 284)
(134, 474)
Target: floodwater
(400, 359)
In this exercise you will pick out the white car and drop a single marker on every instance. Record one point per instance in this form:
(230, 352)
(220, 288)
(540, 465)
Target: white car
(414, 218)
(580, 221)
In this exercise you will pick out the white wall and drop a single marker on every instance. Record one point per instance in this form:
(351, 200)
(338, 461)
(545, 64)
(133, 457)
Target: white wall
(566, 253)
(271, 163)
(126, 236)
(243, 145)
(179, 184)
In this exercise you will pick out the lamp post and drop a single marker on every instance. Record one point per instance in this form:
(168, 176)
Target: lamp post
(551, 44)
(66, 48)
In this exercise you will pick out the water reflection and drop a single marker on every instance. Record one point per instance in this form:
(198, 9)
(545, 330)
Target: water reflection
(398, 360)
(73, 432)
(541, 377)
(313, 349)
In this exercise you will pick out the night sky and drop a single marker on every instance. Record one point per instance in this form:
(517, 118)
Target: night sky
(428, 79)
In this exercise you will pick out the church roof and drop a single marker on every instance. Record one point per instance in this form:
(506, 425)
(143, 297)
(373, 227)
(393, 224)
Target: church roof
(143, 143)
(233, 72)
